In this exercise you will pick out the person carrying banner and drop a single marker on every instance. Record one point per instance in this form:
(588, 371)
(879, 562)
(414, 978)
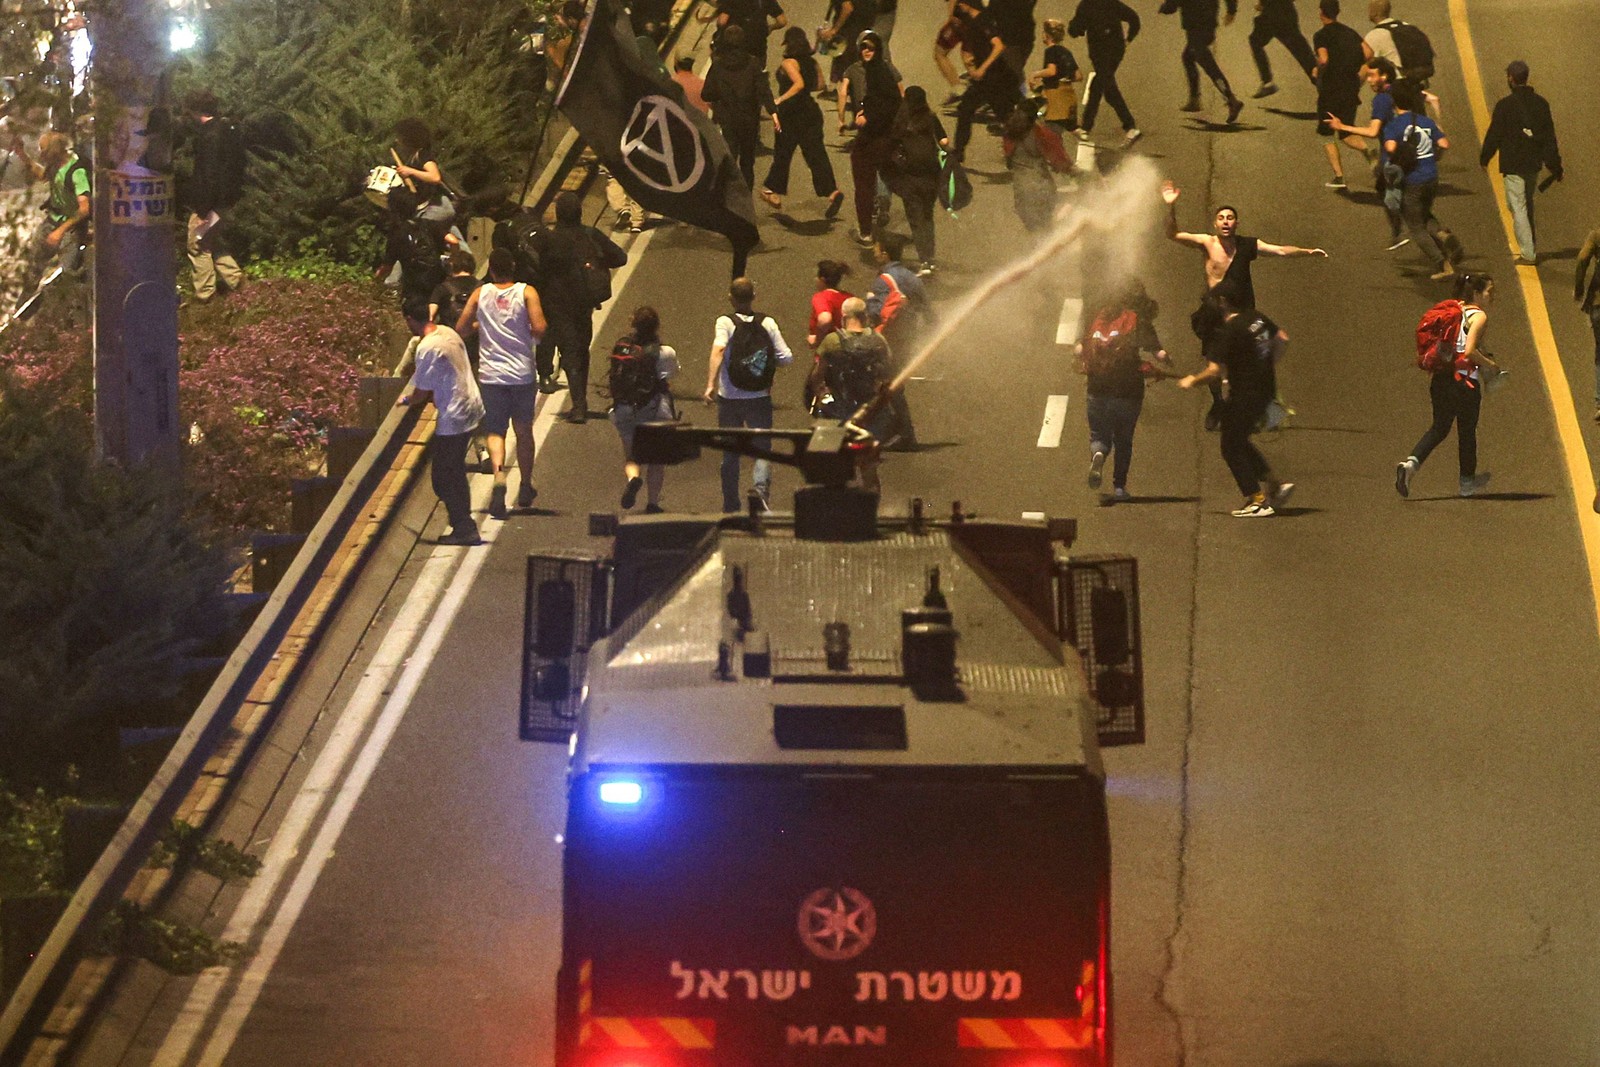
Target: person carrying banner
(666, 153)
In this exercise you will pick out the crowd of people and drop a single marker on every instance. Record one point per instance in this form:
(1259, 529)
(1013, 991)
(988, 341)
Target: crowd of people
(900, 149)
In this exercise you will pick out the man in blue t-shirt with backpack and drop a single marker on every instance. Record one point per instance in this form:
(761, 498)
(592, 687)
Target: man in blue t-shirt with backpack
(1413, 142)
(745, 356)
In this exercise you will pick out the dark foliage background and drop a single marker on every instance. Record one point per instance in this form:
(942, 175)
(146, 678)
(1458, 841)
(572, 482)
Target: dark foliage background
(316, 86)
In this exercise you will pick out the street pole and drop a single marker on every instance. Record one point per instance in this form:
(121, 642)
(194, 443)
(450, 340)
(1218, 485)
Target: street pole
(135, 282)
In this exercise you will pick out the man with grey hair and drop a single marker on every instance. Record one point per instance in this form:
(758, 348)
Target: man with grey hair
(852, 366)
(1523, 134)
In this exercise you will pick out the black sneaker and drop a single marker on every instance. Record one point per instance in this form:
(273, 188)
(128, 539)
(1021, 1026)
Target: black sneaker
(654, 509)
(1213, 422)
(1235, 106)
(497, 502)
(1192, 105)
(547, 384)
(1266, 90)
(466, 536)
(525, 497)
(630, 495)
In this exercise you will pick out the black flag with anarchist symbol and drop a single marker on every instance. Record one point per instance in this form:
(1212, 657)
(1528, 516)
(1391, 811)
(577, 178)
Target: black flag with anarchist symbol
(663, 150)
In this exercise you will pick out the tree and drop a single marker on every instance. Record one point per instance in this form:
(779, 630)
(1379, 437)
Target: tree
(318, 88)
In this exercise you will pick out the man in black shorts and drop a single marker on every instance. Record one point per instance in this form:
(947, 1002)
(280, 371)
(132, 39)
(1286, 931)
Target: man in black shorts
(1245, 350)
(1340, 57)
(1199, 21)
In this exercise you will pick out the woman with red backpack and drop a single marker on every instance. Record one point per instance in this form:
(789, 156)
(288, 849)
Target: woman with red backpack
(1109, 355)
(1456, 386)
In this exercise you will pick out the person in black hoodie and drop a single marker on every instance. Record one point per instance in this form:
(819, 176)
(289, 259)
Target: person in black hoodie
(1524, 135)
(992, 81)
(879, 96)
(563, 251)
(1101, 21)
(737, 90)
(1199, 21)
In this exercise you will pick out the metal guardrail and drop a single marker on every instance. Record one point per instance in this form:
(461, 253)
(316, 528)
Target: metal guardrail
(109, 879)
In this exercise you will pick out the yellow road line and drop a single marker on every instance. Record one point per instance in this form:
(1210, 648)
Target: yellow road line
(1580, 474)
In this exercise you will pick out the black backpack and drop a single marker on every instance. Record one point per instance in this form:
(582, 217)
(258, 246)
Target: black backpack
(632, 373)
(420, 259)
(458, 290)
(856, 379)
(749, 355)
(232, 161)
(517, 234)
(1416, 51)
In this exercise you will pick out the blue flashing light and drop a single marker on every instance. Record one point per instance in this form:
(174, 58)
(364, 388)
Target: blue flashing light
(621, 792)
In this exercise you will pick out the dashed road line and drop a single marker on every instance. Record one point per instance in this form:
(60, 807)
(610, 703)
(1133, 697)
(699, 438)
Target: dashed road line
(1055, 420)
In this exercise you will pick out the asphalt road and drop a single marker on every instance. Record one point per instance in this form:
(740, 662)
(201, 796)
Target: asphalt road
(1363, 830)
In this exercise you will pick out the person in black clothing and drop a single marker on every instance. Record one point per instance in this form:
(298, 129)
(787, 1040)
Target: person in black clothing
(1524, 135)
(756, 19)
(1199, 21)
(214, 187)
(1340, 57)
(1102, 21)
(1588, 300)
(992, 81)
(1014, 19)
(737, 90)
(798, 123)
(1277, 20)
(1245, 350)
(879, 95)
(413, 244)
(1110, 358)
(913, 168)
(851, 18)
(564, 293)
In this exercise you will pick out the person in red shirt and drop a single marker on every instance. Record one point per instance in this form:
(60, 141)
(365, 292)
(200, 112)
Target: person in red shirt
(826, 301)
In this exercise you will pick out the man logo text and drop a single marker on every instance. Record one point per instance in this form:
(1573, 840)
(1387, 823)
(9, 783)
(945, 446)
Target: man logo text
(838, 1035)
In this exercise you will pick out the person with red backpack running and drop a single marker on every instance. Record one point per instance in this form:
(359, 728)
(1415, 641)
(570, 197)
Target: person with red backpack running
(1109, 356)
(1450, 348)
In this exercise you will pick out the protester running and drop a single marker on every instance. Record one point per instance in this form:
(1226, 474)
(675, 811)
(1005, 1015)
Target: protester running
(1277, 20)
(1119, 331)
(1456, 389)
(1423, 140)
(638, 373)
(1245, 352)
(797, 120)
(1199, 21)
(1102, 22)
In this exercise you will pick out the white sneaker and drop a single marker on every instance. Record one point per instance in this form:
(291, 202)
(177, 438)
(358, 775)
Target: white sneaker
(1399, 242)
(1402, 475)
(1471, 485)
(1131, 136)
(1280, 495)
(1254, 509)
(1097, 464)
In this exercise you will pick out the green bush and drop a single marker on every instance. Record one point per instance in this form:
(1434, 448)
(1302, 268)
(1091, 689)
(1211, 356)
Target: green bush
(104, 588)
(317, 87)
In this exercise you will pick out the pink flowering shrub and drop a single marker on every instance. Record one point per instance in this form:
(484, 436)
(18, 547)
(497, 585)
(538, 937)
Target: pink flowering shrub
(264, 373)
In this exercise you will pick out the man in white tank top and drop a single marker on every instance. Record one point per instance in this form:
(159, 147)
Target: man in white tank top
(509, 322)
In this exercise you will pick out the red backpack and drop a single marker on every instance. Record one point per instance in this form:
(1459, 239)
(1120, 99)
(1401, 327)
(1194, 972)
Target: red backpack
(1112, 340)
(1437, 335)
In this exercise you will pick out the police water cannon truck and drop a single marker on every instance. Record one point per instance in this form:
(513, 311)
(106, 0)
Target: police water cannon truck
(835, 788)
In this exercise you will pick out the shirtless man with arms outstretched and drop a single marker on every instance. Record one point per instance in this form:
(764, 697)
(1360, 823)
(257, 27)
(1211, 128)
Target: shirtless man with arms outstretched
(1228, 259)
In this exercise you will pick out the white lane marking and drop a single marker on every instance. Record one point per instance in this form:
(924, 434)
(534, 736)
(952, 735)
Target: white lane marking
(1033, 516)
(1067, 325)
(1055, 420)
(391, 657)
